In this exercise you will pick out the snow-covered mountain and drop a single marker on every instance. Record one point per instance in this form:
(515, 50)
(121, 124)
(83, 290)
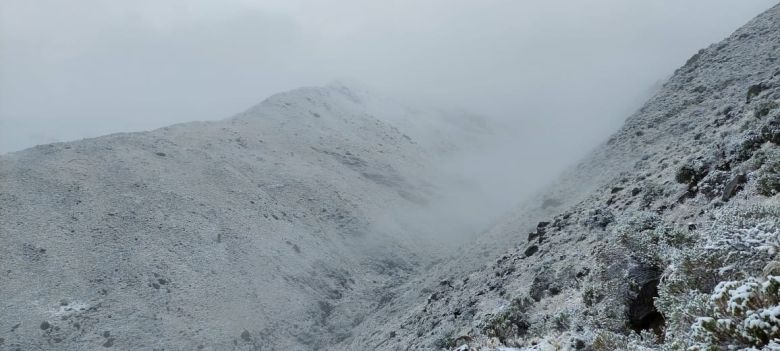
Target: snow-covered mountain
(666, 237)
(279, 228)
(315, 219)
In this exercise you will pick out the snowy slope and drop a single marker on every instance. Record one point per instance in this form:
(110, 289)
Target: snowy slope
(280, 228)
(686, 190)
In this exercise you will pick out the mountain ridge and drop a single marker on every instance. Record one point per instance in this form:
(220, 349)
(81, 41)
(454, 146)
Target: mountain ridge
(277, 228)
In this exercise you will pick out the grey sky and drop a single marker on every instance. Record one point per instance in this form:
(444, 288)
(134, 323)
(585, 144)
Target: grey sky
(563, 73)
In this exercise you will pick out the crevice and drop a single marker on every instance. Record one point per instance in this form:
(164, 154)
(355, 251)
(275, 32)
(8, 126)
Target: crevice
(640, 305)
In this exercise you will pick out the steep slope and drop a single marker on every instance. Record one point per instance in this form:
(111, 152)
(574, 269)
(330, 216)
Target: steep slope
(279, 228)
(686, 190)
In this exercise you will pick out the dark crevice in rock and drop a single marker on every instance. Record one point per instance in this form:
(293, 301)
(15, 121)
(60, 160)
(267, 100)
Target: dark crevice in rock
(640, 306)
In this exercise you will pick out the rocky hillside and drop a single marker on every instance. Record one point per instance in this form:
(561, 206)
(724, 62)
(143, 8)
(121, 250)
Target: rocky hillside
(279, 228)
(666, 237)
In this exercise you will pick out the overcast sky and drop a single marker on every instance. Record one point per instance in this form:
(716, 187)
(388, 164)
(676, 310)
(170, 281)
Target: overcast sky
(565, 70)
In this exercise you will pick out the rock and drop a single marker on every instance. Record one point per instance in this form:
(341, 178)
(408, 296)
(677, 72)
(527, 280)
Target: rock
(733, 186)
(578, 344)
(529, 251)
(754, 90)
(692, 172)
(540, 285)
(599, 218)
(712, 185)
(641, 311)
(109, 342)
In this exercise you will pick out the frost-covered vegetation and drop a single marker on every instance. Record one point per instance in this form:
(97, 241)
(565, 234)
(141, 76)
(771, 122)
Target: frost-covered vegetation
(510, 324)
(744, 314)
(720, 288)
(769, 179)
(712, 295)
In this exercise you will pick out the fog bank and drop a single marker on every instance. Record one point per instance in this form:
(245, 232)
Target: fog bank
(558, 76)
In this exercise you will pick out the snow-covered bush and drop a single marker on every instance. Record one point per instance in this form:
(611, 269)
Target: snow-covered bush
(691, 172)
(511, 323)
(592, 295)
(764, 107)
(742, 314)
(702, 279)
(769, 179)
(652, 192)
(651, 242)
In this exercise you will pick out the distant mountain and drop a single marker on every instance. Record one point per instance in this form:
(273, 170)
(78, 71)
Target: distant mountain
(279, 228)
(666, 237)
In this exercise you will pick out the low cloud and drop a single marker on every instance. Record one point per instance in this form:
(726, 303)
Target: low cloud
(559, 76)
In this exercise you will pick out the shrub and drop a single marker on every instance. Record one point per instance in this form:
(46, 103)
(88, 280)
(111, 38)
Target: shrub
(652, 192)
(510, 323)
(742, 314)
(764, 108)
(651, 243)
(737, 244)
(756, 89)
(769, 179)
(445, 341)
(592, 295)
(691, 172)
(562, 321)
(609, 341)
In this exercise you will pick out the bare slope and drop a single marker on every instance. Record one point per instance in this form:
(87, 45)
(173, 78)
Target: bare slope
(279, 228)
(685, 190)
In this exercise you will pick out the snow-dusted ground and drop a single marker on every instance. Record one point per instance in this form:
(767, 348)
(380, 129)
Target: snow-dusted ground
(279, 228)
